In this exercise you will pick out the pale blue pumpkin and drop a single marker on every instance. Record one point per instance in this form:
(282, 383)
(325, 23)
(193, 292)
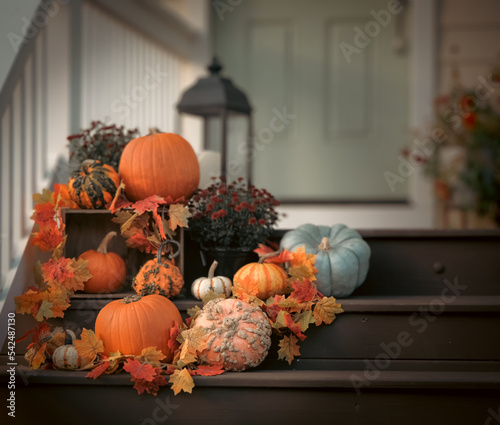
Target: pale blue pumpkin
(342, 256)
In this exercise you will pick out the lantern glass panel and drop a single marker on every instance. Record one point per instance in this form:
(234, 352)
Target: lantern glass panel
(213, 135)
(237, 146)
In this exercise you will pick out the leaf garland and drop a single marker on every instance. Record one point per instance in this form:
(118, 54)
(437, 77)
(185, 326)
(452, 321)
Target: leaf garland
(291, 315)
(146, 223)
(58, 278)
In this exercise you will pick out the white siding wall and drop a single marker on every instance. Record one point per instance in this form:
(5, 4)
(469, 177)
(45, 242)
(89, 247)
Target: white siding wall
(470, 32)
(127, 78)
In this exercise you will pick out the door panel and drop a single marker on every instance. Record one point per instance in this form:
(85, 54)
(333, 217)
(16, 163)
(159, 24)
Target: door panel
(327, 125)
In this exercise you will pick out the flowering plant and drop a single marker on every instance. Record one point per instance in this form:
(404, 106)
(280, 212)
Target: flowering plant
(462, 156)
(231, 215)
(475, 137)
(100, 141)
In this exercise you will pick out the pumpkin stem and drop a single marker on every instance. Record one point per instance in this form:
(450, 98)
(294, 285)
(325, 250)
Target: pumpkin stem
(87, 162)
(211, 271)
(71, 334)
(262, 257)
(153, 130)
(130, 299)
(103, 246)
(160, 249)
(325, 244)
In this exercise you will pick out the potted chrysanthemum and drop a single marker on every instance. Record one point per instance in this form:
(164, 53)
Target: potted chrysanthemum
(229, 220)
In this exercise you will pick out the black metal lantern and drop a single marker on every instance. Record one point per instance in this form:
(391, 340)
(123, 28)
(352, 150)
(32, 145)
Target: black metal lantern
(220, 103)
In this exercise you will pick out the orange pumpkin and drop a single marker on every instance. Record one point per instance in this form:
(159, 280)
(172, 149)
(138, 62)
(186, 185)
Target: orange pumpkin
(161, 164)
(159, 276)
(108, 269)
(262, 280)
(134, 323)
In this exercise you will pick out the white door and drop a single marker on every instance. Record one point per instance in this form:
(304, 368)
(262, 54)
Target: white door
(329, 90)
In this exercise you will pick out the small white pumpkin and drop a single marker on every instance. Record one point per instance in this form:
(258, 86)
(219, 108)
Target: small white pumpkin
(204, 285)
(67, 357)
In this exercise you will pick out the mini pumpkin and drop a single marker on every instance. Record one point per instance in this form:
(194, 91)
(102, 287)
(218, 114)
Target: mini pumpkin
(67, 357)
(262, 280)
(108, 269)
(218, 284)
(134, 323)
(162, 164)
(238, 334)
(160, 276)
(342, 256)
(94, 185)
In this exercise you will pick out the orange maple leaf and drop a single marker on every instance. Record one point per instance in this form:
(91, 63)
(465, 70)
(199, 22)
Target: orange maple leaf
(149, 204)
(288, 348)
(151, 387)
(39, 357)
(56, 272)
(48, 237)
(44, 213)
(174, 333)
(139, 370)
(303, 291)
(283, 257)
(62, 198)
(302, 265)
(206, 370)
(294, 327)
(263, 249)
(26, 303)
(98, 370)
(181, 380)
(88, 346)
(80, 275)
(59, 298)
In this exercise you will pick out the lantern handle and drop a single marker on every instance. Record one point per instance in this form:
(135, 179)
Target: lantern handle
(171, 256)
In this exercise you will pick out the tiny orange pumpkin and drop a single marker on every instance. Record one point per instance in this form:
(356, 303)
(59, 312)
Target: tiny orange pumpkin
(108, 269)
(159, 276)
(262, 280)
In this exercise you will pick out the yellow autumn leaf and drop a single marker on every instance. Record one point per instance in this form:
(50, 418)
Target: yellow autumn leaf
(179, 215)
(45, 196)
(288, 348)
(26, 302)
(39, 357)
(152, 356)
(181, 380)
(325, 310)
(195, 341)
(44, 312)
(88, 346)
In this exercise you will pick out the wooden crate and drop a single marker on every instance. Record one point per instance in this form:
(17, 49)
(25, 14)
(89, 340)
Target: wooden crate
(85, 229)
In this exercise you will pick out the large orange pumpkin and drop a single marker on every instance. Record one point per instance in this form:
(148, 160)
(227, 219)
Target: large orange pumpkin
(134, 323)
(160, 276)
(162, 164)
(262, 280)
(108, 269)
